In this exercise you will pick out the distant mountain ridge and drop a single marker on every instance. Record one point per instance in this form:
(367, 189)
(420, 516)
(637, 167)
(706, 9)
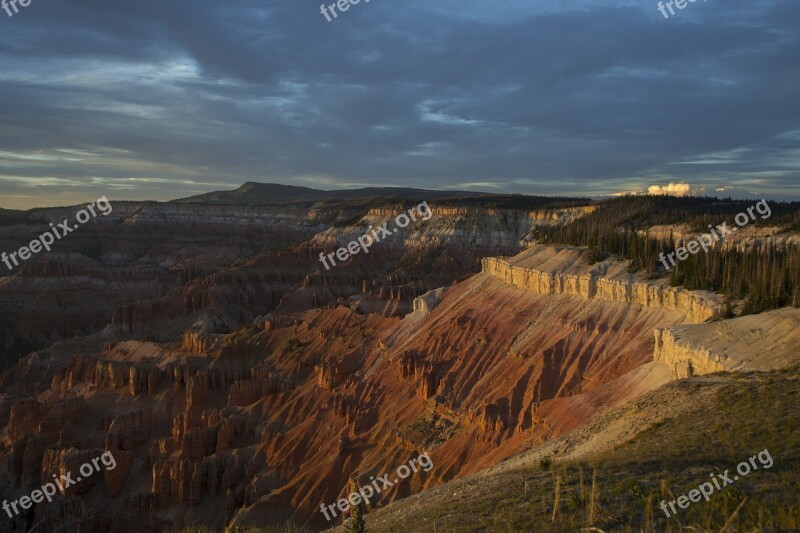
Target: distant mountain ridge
(254, 193)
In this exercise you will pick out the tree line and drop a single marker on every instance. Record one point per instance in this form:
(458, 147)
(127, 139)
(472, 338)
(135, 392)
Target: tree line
(765, 276)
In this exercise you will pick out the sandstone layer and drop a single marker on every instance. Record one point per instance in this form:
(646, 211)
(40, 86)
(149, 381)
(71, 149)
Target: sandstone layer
(560, 270)
(766, 341)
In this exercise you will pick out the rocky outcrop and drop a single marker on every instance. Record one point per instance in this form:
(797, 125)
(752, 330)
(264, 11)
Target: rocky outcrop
(696, 305)
(136, 377)
(684, 359)
(492, 416)
(197, 342)
(197, 436)
(261, 383)
(171, 479)
(198, 442)
(243, 392)
(80, 369)
(561, 216)
(424, 304)
(183, 481)
(766, 341)
(112, 375)
(424, 373)
(138, 315)
(744, 239)
(129, 430)
(69, 462)
(25, 417)
(333, 374)
(235, 431)
(197, 391)
(144, 378)
(63, 415)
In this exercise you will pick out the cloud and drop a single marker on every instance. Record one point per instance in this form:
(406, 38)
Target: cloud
(686, 189)
(676, 189)
(418, 93)
(739, 193)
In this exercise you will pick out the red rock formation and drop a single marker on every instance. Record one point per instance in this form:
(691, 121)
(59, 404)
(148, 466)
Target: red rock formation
(80, 369)
(198, 343)
(127, 431)
(267, 417)
(235, 432)
(57, 463)
(25, 417)
(62, 415)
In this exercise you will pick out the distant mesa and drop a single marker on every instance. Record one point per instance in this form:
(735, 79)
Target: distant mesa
(257, 194)
(254, 193)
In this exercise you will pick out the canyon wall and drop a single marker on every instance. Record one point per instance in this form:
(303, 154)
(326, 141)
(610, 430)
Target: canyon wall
(696, 306)
(684, 359)
(265, 385)
(762, 342)
(542, 216)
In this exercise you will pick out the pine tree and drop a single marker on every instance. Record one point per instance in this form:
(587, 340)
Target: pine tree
(357, 524)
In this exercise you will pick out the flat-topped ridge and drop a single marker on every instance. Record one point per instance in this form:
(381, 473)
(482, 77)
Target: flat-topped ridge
(566, 270)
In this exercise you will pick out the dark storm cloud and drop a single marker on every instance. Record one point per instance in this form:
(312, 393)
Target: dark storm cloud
(147, 99)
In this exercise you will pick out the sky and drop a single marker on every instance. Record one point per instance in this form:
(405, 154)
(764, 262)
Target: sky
(161, 100)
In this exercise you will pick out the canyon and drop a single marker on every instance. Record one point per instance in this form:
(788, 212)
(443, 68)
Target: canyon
(237, 382)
